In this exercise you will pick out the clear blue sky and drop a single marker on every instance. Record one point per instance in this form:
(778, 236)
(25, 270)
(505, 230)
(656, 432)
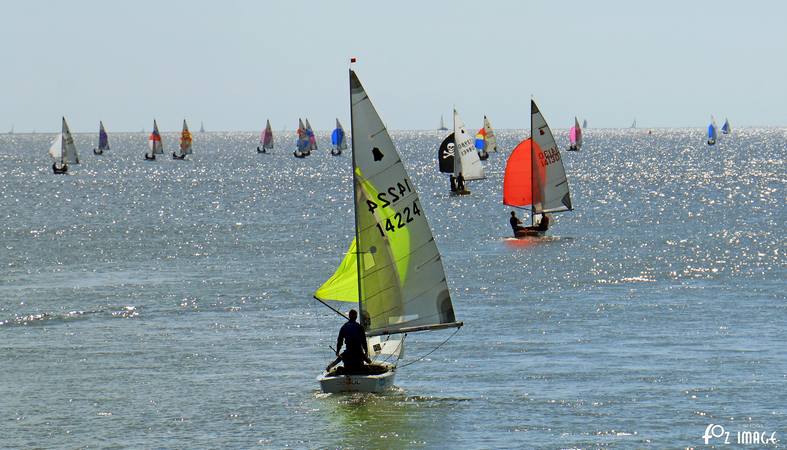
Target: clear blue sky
(232, 64)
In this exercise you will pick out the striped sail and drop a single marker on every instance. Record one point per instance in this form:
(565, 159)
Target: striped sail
(266, 138)
(154, 140)
(103, 138)
(185, 140)
(393, 268)
(552, 193)
(466, 159)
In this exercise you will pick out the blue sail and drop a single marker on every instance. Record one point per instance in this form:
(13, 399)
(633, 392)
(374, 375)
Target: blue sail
(337, 137)
(711, 132)
(726, 127)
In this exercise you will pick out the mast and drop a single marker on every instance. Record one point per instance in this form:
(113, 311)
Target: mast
(355, 191)
(532, 165)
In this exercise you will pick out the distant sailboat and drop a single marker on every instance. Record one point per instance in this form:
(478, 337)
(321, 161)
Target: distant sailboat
(712, 133)
(63, 151)
(575, 137)
(467, 164)
(266, 138)
(201, 127)
(312, 137)
(485, 140)
(103, 140)
(535, 175)
(584, 124)
(338, 139)
(725, 129)
(442, 125)
(634, 123)
(185, 143)
(302, 141)
(154, 143)
(392, 271)
(11, 131)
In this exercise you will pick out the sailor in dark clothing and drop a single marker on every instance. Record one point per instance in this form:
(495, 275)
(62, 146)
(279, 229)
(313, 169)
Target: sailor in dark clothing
(453, 183)
(460, 182)
(516, 224)
(543, 224)
(353, 336)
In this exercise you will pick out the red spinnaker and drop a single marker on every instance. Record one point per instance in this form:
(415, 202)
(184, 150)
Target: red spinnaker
(518, 181)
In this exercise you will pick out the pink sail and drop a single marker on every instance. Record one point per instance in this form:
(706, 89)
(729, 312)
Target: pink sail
(572, 136)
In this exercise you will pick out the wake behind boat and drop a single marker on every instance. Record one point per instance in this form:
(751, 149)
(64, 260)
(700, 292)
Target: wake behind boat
(398, 282)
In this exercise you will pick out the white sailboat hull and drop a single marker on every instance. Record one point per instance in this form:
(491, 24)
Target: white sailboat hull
(357, 383)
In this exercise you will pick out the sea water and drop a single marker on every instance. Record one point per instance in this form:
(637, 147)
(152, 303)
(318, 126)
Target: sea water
(169, 303)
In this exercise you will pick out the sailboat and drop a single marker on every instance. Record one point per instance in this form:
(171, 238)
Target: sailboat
(63, 151)
(575, 137)
(712, 133)
(725, 129)
(393, 269)
(201, 127)
(445, 154)
(442, 125)
(584, 124)
(634, 123)
(312, 138)
(103, 140)
(535, 175)
(302, 141)
(154, 143)
(338, 139)
(185, 143)
(467, 164)
(11, 131)
(266, 139)
(485, 140)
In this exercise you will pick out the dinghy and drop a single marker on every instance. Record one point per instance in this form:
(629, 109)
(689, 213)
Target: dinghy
(398, 281)
(485, 140)
(712, 134)
(63, 151)
(302, 141)
(338, 139)
(575, 137)
(584, 124)
(185, 143)
(725, 129)
(103, 140)
(201, 127)
(535, 175)
(154, 143)
(467, 164)
(266, 139)
(634, 123)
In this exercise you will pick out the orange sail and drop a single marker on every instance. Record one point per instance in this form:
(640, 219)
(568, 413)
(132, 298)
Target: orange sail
(519, 188)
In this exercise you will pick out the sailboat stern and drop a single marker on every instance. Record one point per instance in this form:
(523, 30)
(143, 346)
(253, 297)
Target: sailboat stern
(381, 380)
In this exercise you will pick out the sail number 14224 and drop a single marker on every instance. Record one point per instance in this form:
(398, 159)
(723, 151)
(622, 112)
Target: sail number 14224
(392, 196)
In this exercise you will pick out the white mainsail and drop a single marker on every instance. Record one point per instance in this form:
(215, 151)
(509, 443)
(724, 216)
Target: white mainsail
(490, 138)
(70, 154)
(466, 160)
(56, 150)
(398, 280)
(549, 175)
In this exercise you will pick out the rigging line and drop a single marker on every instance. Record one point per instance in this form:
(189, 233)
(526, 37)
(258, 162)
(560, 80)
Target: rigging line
(433, 350)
